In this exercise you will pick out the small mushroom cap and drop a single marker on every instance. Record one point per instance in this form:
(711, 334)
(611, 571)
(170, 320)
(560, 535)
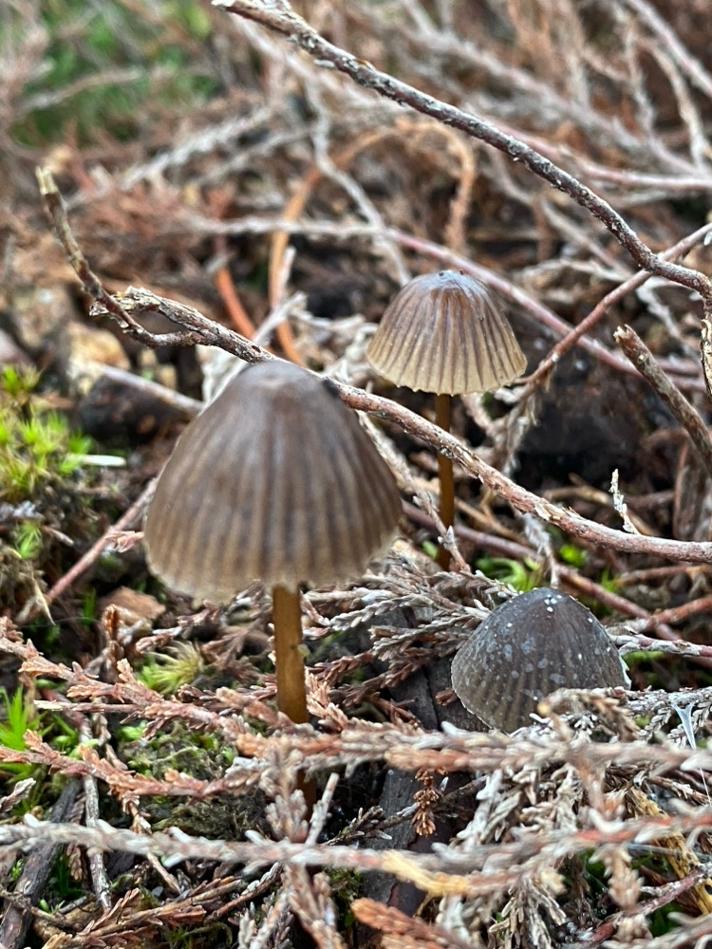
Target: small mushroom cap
(443, 333)
(275, 480)
(530, 646)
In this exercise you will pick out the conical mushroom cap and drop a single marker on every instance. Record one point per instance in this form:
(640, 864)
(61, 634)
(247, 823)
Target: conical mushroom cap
(442, 333)
(275, 480)
(527, 648)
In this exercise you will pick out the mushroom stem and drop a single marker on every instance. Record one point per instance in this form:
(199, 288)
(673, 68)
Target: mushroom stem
(443, 416)
(287, 618)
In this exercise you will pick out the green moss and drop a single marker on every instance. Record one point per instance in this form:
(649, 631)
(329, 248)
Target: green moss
(201, 755)
(638, 656)
(19, 717)
(116, 41)
(166, 672)
(521, 576)
(661, 921)
(27, 540)
(345, 888)
(573, 555)
(430, 549)
(38, 450)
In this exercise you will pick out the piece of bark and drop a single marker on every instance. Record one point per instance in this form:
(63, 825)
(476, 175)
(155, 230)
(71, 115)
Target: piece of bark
(418, 693)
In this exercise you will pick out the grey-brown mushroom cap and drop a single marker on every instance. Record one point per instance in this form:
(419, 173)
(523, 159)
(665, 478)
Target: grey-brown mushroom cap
(275, 480)
(530, 646)
(443, 333)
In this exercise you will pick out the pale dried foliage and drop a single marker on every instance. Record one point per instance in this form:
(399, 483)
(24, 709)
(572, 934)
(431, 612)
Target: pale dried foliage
(614, 93)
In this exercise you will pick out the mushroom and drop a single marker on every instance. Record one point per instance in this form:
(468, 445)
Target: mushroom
(443, 333)
(275, 480)
(527, 648)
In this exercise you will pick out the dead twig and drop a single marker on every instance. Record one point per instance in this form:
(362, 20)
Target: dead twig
(280, 18)
(200, 329)
(125, 522)
(100, 880)
(686, 414)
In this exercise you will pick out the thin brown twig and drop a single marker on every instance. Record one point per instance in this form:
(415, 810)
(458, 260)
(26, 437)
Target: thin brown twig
(92, 815)
(686, 414)
(282, 19)
(663, 896)
(56, 211)
(125, 522)
(520, 498)
(200, 329)
(676, 614)
(238, 314)
(611, 299)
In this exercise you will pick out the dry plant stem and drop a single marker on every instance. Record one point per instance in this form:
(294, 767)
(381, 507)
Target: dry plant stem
(641, 357)
(226, 288)
(603, 306)
(289, 657)
(443, 873)
(281, 19)
(94, 552)
(278, 249)
(443, 417)
(664, 895)
(676, 614)
(682, 56)
(184, 404)
(199, 329)
(92, 814)
(210, 333)
(91, 283)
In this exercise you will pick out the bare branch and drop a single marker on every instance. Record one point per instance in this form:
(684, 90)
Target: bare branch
(686, 414)
(281, 19)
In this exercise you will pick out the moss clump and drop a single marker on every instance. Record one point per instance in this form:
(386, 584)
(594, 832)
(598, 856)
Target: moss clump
(37, 448)
(346, 886)
(200, 755)
(42, 486)
(166, 672)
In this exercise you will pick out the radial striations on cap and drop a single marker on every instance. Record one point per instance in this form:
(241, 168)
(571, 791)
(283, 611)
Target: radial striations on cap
(275, 480)
(443, 333)
(527, 648)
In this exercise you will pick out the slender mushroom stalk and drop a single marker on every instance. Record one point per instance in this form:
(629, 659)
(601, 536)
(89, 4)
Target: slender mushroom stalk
(443, 417)
(530, 646)
(289, 653)
(442, 333)
(276, 480)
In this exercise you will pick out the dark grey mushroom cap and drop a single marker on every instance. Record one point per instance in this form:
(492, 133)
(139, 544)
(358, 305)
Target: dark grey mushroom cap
(275, 480)
(530, 646)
